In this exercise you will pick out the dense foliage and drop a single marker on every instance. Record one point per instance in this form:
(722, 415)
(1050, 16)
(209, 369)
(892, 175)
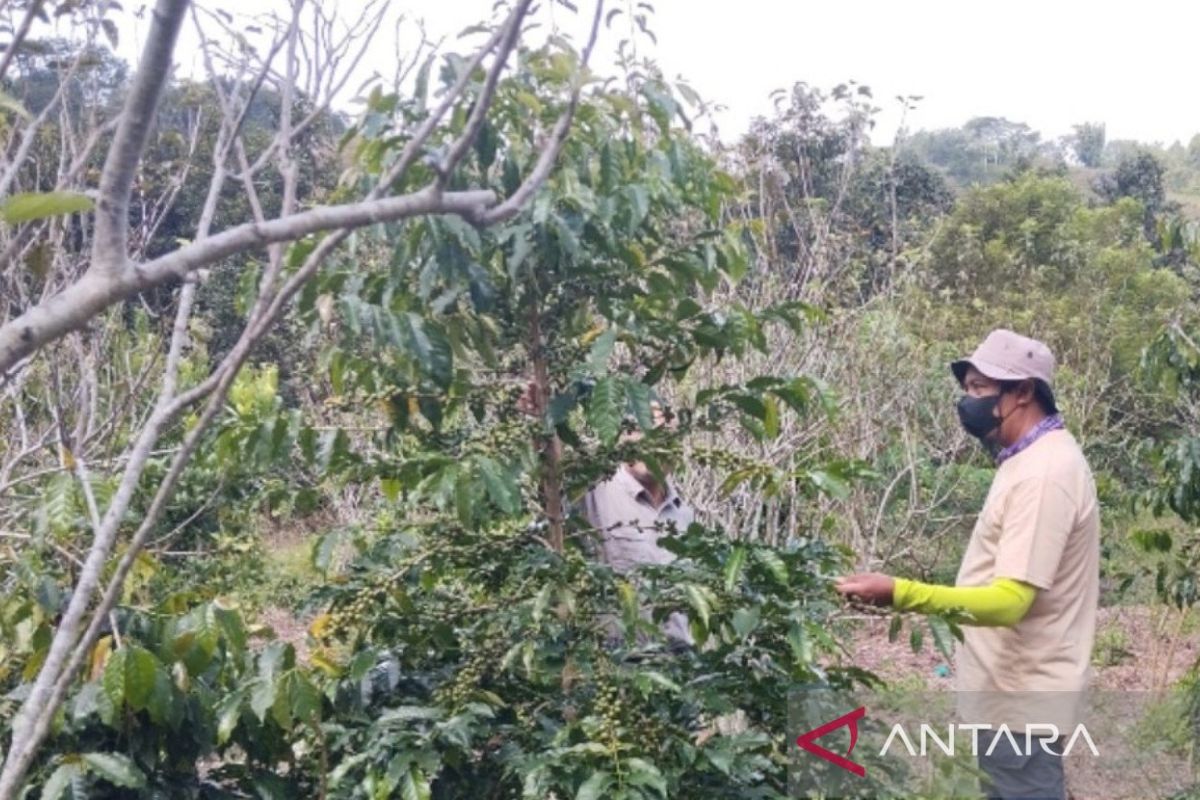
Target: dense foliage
(376, 482)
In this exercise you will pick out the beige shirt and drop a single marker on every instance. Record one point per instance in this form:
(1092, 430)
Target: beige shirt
(630, 525)
(1040, 524)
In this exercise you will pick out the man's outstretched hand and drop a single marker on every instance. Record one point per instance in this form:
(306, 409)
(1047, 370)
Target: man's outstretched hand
(868, 587)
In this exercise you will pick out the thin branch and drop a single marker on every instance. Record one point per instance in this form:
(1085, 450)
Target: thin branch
(550, 150)
(479, 113)
(35, 127)
(429, 124)
(79, 303)
(62, 551)
(31, 13)
(109, 253)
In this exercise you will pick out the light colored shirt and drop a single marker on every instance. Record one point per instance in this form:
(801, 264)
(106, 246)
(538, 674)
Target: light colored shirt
(1053, 422)
(630, 524)
(1040, 525)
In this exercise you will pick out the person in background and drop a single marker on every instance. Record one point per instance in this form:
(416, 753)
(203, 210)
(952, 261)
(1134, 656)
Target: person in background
(630, 512)
(1029, 579)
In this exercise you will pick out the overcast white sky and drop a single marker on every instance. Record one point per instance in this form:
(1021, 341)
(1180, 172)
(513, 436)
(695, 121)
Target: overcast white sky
(1050, 63)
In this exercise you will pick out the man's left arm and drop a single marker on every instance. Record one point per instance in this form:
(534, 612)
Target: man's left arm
(1002, 603)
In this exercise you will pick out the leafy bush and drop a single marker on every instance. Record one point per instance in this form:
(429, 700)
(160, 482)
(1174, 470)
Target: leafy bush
(484, 663)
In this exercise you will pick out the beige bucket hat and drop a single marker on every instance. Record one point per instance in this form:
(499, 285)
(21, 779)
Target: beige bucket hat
(1008, 356)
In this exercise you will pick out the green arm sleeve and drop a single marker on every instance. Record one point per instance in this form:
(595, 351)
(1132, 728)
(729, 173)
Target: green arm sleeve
(1003, 603)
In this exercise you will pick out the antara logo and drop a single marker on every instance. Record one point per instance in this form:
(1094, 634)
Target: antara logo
(808, 740)
(1046, 731)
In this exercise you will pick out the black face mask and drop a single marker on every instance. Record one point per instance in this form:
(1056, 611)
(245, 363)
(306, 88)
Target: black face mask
(977, 414)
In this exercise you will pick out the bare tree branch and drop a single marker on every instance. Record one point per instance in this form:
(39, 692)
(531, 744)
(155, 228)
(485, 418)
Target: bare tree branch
(550, 150)
(34, 127)
(72, 308)
(109, 253)
(113, 279)
(22, 33)
(512, 31)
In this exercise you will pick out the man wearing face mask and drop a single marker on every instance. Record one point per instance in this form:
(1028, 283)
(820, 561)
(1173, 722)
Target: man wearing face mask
(1029, 579)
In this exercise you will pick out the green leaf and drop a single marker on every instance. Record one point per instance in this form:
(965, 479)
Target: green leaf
(321, 553)
(262, 697)
(421, 85)
(501, 487)
(62, 779)
(771, 419)
(627, 598)
(86, 702)
(429, 344)
(662, 105)
(798, 393)
(541, 601)
(344, 768)
(527, 658)
(10, 103)
(485, 145)
(162, 698)
(752, 405)
(129, 677)
(601, 351)
(115, 768)
(830, 484)
(561, 406)
(701, 599)
(195, 638)
(801, 644)
(410, 713)
(391, 489)
(638, 395)
(536, 784)
(646, 678)
(733, 569)
(414, 785)
(604, 409)
(773, 563)
(229, 712)
(1152, 541)
(643, 773)
(609, 172)
(110, 32)
(464, 496)
(894, 627)
(521, 248)
(232, 627)
(942, 638)
(595, 786)
(269, 786)
(28, 206)
(745, 620)
(639, 205)
(302, 697)
(916, 639)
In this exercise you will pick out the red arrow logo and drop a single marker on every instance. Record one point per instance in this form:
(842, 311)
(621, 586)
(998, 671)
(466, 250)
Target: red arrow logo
(808, 741)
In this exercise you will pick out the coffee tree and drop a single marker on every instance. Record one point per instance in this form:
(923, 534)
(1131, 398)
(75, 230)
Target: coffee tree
(477, 646)
(86, 223)
(1172, 362)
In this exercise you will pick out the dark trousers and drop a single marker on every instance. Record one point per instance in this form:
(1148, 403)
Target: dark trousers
(1037, 775)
